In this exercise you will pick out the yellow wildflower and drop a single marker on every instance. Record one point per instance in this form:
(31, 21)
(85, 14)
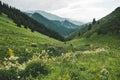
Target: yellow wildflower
(11, 52)
(59, 78)
(68, 77)
(69, 51)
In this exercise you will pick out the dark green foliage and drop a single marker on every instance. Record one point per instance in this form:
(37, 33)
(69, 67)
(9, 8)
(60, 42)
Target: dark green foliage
(79, 34)
(90, 27)
(22, 19)
(94, 58)
(0, 7)
(94, 21)
(57, 26)
(73, 64)
(34, 69)
(101, 31)
(109, 24)
(8, 74)
(24, 57)
(98, 22)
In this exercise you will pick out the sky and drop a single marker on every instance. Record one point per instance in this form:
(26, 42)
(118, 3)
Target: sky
(80, 10)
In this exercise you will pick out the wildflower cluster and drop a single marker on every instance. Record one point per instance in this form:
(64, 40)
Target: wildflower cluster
(104, 74)
(69, 56)
(64, 77)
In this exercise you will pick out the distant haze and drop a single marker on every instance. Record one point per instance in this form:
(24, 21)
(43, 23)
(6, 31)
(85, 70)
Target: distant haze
(80, 10)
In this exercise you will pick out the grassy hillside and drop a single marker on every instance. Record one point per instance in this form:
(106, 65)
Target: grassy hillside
(109, 24)
(21, 18)
(26, 55)
(21, 39)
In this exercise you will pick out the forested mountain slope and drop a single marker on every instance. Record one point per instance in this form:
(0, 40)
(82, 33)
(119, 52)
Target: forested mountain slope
(109, 24)
(22, 19)
(64, 28)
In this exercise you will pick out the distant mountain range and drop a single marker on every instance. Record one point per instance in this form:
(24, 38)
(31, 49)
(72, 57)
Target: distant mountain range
(61, 25)
(54, 17)
(21, 19)
(62, 29)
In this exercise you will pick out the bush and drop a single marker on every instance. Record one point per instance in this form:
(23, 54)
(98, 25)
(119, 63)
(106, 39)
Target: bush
(34, 69)
(8, 74)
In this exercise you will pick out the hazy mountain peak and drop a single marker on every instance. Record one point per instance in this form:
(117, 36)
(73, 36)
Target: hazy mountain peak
(48, 15)
(54, 17)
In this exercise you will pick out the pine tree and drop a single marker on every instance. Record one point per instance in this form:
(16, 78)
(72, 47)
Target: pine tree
(98, 22)
(79, 34)
(89, 27)
(0, 7)
(94, 21)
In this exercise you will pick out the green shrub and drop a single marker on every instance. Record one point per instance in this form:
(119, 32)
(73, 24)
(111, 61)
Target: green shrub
(34, 69)
(8, 74)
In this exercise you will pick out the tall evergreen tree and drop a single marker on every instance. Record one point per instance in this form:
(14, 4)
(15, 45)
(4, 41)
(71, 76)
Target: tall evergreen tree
(89, 26)
(0, 7)
(79, 34)
(94, 21)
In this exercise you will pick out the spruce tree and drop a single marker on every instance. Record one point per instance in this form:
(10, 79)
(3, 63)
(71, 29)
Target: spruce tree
(0, 8)
(89, 27)
(79, 34)
(94, 21)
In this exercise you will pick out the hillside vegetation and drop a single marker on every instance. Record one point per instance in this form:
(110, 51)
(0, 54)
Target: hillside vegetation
(21, 39)
(26, 55)
(62, 27)
(93, 54)
(22, 19)
(109, 24)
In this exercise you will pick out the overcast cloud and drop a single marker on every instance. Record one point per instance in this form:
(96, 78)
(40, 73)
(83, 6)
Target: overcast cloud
(81, 10)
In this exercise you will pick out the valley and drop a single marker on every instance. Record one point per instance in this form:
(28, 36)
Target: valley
(86, 54)
(63, 26)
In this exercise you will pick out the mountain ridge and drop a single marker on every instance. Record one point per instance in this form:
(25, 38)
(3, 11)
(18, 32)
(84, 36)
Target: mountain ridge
(51, 16)
(21, 19)
(109, 24)
(64, 28)
(54, 25)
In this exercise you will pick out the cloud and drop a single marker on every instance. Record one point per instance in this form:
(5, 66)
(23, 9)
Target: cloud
(86, 10)
(81, 10)
(37, 4)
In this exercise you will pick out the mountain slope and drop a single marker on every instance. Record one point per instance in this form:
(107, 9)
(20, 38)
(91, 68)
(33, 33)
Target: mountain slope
(109, 24)
(83, 60)
(20, 39)
(50, 16)
(64, 28)
(26, 55)
(47, 15)
(22, 19)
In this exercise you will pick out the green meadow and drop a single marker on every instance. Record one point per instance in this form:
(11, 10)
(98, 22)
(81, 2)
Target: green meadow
(26, 55)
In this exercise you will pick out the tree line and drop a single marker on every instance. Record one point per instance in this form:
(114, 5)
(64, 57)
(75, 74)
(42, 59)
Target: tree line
(21, 18)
